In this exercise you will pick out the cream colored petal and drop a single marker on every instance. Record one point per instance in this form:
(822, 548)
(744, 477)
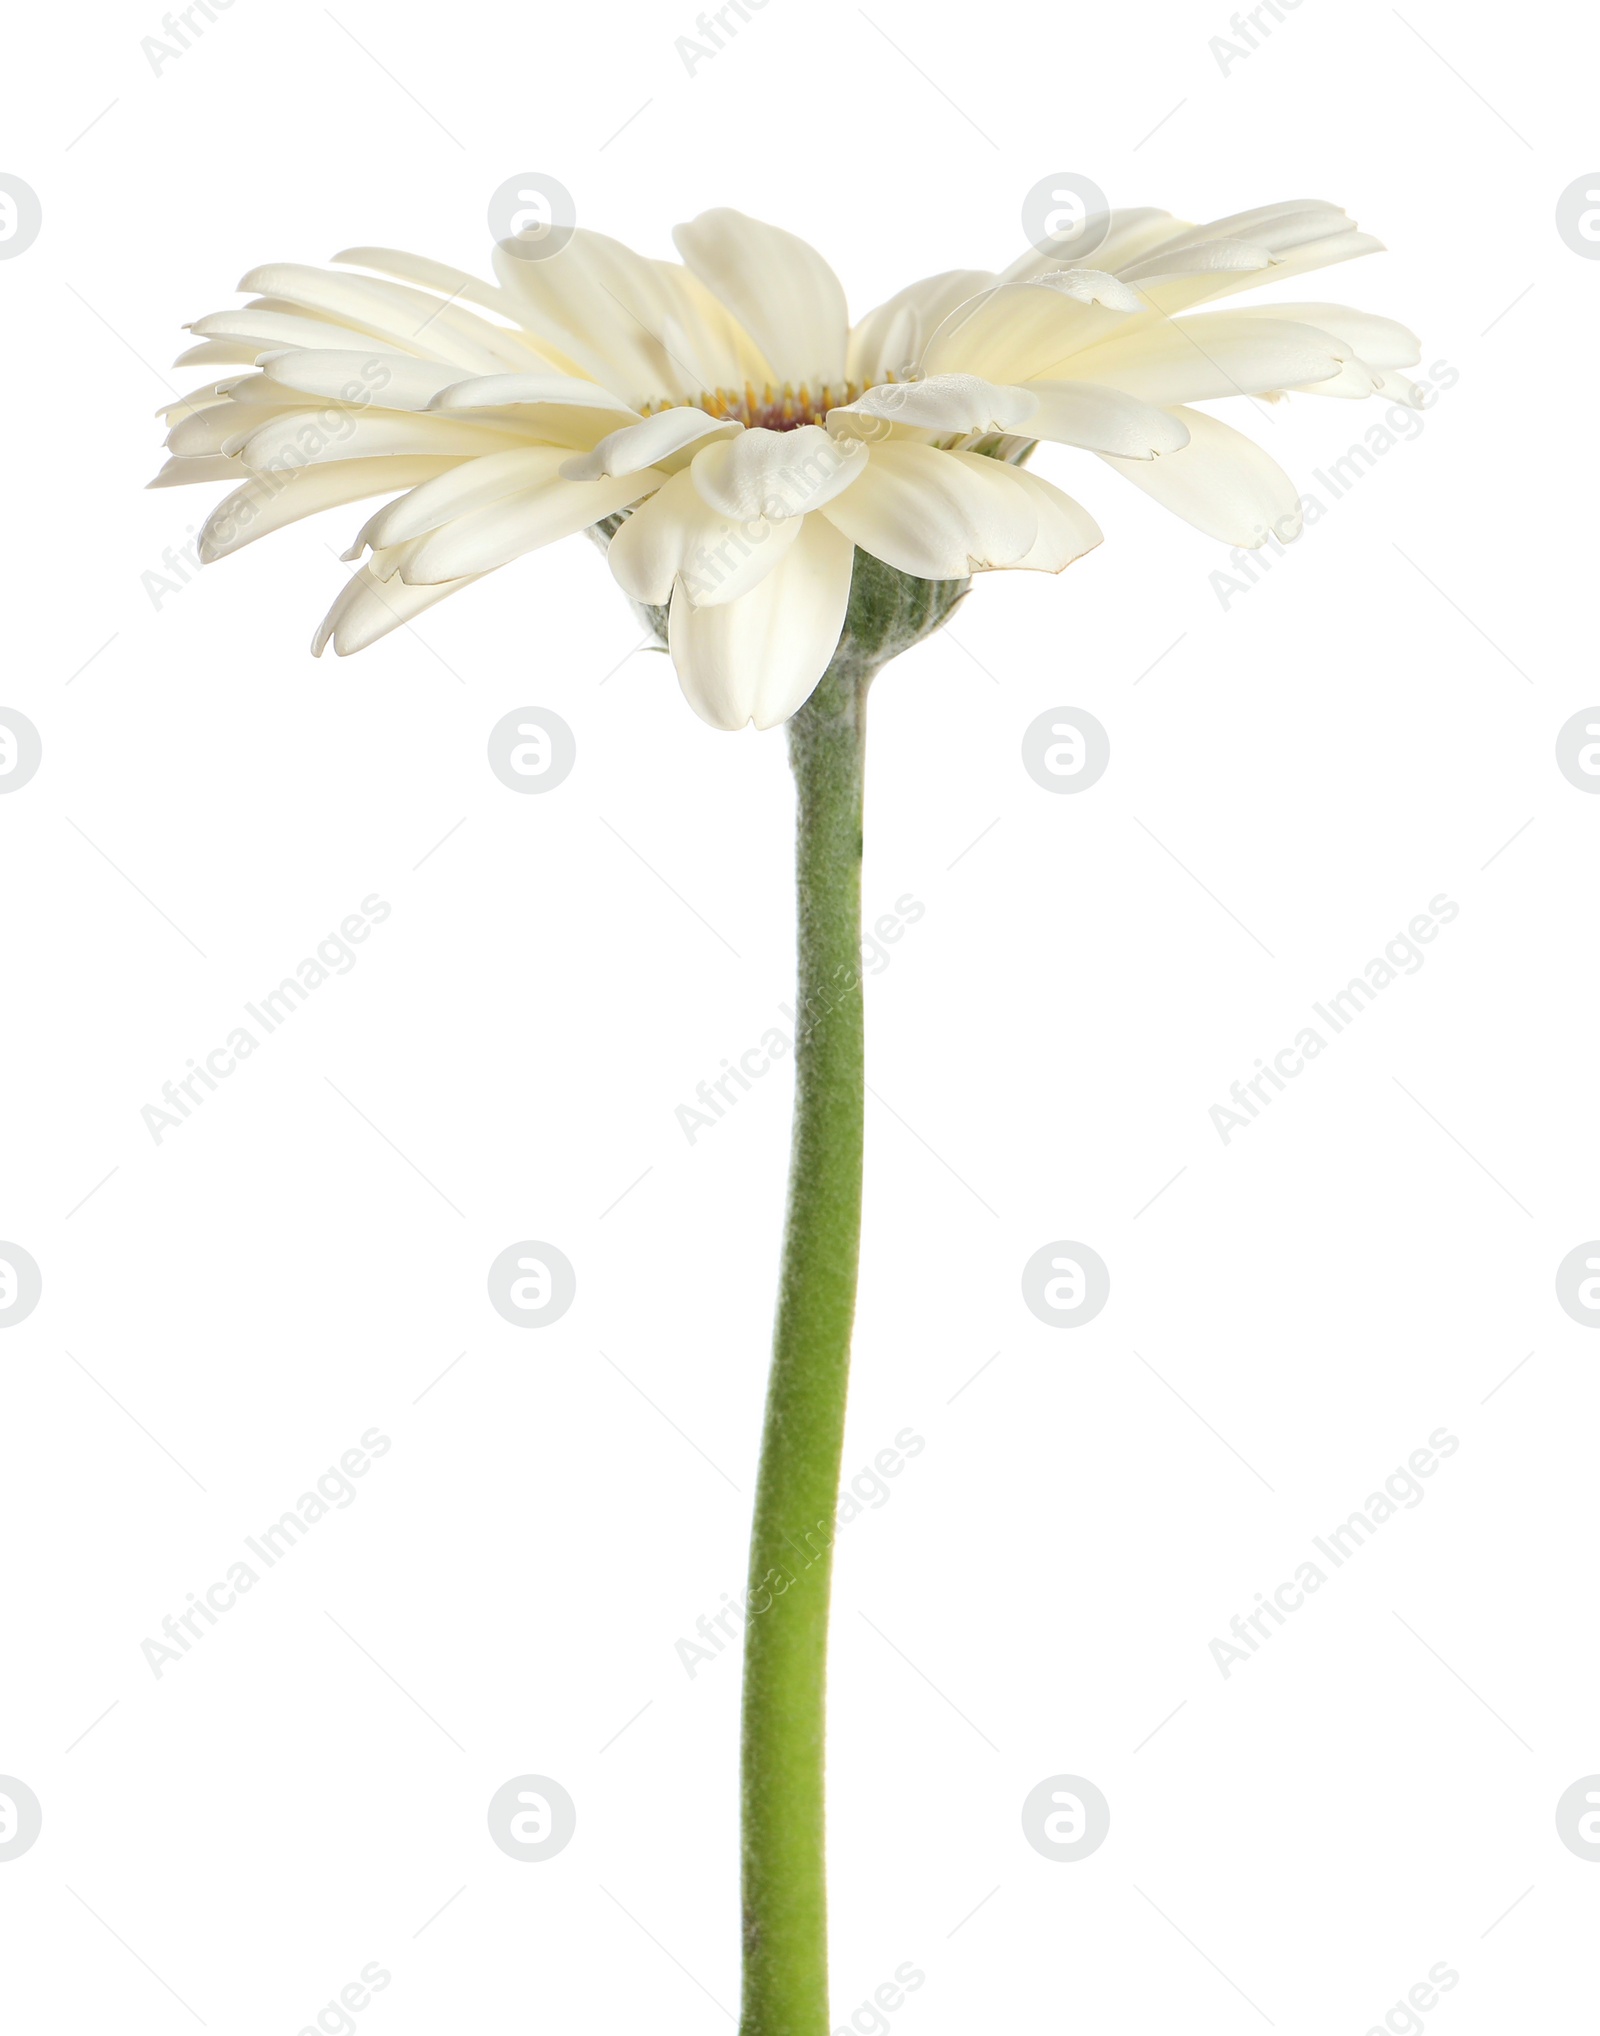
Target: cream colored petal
(713, 347)
(1222, 483)
(270, 502)
(313, 437)
(776, 473)
(652, 443)
(951, 405)
(1023, 330)
(1130, 233)
(937, 515)
(759, 658)
(192, 404)
(1354, 380)
(726, 570)
(1103, 420)
(459, 286)
(1202, 258)
(469, 484)
(1236, 253)
(1066, 530)
(778, 287)
(453, 285)
(1218, 354)
(413, 319)
(276, 329)
(236, 352)
(218, 426)
(611, 312)
(484, 538)
(180, 472)
(1184, 291)
(367, 610)
(557, 410)
(499, 392)
(1379, 342)
(678, 534)
(890, 340)
(393, 381)
(543, 405)
(1277, 228)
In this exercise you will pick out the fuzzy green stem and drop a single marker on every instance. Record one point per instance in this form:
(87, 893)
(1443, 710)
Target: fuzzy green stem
(791, 1550)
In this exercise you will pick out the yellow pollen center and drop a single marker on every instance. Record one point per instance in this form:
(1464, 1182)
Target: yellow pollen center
(770, 408)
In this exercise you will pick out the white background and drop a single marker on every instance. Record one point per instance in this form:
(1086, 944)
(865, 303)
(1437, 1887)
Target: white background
(1295, 779)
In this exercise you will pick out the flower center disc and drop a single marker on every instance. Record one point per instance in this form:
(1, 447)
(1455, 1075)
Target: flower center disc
(771, 408)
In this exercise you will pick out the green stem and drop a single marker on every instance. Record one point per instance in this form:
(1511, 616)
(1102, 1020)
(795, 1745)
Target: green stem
(797, 1495)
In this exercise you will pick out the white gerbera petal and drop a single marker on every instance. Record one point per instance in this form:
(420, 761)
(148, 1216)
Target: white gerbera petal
(1353, 381)
(614, 313)
(1179, 293)
(270, 502)
(504, 392)
(1103, 420)
(1379, 342)
(1066, 529)
(890, 340)
(1130, 233)
(234, 352)
(759, 658)
(777, 473)
(1222, 483)
(648, 444)
(678, 535)
(468, 484)
(1203, 258)
(711, 344)
(368, 609)
(452, 284)
(269, 329)
(1232, 253)
(293, 438)
(482, 539)
(778, 287)
(1218, 354)
(214, 428)
(415, 321)
(937, 515)
(1023, 330)
(949, 404)
(183, 471)
(397, 381)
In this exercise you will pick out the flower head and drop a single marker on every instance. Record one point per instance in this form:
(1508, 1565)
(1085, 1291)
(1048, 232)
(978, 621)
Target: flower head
(737, 438)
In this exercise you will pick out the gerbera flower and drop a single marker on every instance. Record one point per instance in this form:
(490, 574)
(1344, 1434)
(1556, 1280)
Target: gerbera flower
(737, 440)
